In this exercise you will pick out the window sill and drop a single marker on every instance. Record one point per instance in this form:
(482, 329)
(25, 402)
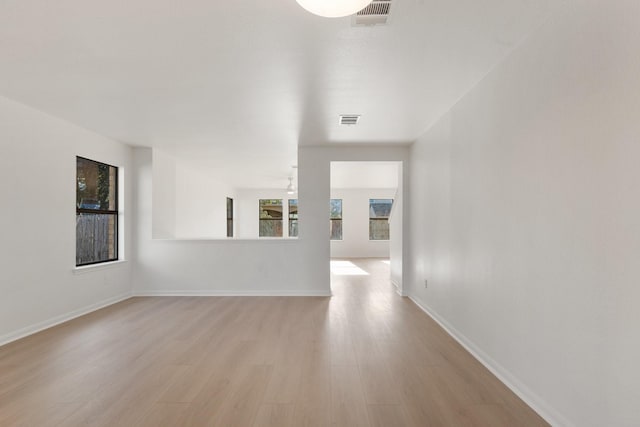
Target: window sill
(96, 267)
(228, 239)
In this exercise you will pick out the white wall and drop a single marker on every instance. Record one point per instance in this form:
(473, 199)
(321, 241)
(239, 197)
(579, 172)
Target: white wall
(215, 266)
(38, 286)
(201, 200)
(525, 213)
(248, 213)
(396, 244)
(314, 193)
(164, 195)
(355, 241)
(245, 266)
(188, 202)
(358, 174)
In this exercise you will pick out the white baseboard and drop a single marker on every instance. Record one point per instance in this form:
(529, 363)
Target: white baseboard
(231, 293)
(398, 291)
(30, 330)
(538, 404)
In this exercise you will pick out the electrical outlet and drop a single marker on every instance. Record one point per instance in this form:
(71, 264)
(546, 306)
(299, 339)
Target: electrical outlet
(425, 283)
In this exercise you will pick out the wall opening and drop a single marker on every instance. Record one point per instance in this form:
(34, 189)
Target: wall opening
(365, 220)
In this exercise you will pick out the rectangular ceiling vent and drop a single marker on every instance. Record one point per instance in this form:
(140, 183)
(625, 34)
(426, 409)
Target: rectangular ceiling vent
(349, 119)
(377, 13)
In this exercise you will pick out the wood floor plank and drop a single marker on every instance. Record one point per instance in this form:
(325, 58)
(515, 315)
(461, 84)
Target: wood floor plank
(387, 415)
(277, 415)
(315, 385)
(380, 388)
(241, 408)
(311, 415)
(209, 400)
(348, 406)
(164, 414)
(364, 357)
(284, 383)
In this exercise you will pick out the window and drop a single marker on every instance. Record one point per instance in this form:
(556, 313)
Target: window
(270, 218)
(229, 217)
(293, 217)
(379, 210)
(96, 212)
(335, 219)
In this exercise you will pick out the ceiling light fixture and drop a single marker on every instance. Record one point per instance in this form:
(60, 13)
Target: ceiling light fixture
(333, 8)
(291, 189)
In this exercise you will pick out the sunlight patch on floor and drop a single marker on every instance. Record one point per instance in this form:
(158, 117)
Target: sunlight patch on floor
(386, 261)
(346, 268)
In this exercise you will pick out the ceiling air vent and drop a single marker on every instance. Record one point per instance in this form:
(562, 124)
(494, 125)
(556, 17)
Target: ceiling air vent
(349, 119)
(377, 13)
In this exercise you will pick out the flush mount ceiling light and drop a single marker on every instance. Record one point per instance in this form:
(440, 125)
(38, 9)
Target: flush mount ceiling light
(333, 8)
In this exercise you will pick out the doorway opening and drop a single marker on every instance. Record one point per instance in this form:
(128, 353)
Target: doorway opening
(365, 219)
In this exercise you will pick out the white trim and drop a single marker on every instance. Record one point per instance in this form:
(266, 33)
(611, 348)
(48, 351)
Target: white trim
(227, 239)
(231, 293)
(96, 267)
(398, 290)
(546, 411)
(41, 326)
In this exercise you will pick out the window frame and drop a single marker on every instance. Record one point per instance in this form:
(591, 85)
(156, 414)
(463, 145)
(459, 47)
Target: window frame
(331, 220)
(229, 217)
(291, 218)
(281, 219)
(113, 212)
(380, 219)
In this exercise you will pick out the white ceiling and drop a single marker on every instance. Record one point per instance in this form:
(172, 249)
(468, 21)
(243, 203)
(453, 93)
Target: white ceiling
(365, 174)
(239, 85)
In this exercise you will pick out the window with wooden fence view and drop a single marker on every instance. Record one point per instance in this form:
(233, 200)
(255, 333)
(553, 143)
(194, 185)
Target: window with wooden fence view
(96, 212)
(379, 211)
(293, 217)
(335, 219)
(270, 218)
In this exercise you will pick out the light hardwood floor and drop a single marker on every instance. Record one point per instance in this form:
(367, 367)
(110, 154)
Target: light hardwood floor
(365, 357)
